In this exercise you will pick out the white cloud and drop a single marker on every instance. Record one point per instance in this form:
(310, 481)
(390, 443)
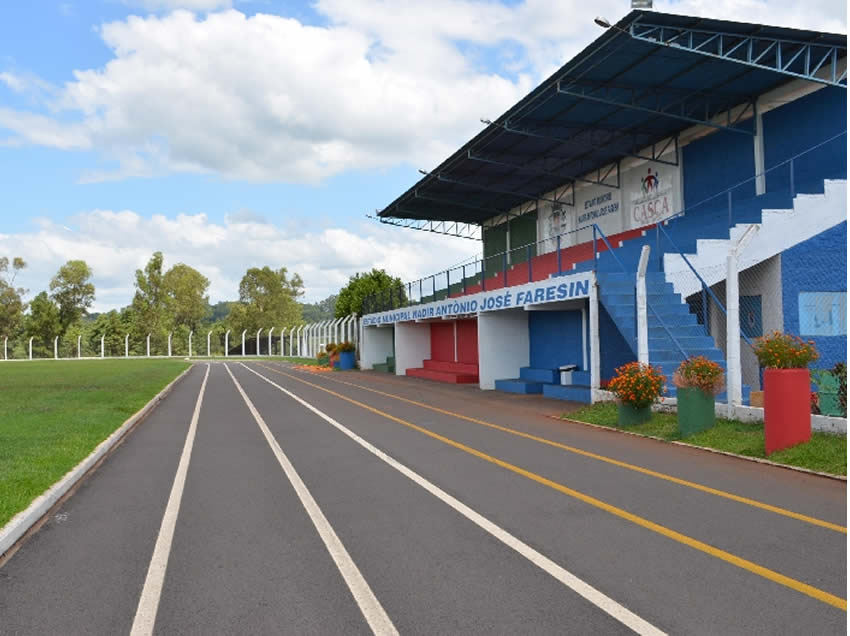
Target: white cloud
(116, 243)
(266, 97)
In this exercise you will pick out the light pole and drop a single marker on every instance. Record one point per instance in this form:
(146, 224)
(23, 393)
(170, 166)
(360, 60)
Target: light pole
(209, 333)
(191, 332)
(270, 343)
(226, 339)
(244, 331)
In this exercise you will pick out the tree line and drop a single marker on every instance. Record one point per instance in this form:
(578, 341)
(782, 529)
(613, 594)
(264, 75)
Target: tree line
(172, 301)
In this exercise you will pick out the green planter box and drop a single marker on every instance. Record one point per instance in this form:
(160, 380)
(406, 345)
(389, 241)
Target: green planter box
(627, 415)
(695, 410)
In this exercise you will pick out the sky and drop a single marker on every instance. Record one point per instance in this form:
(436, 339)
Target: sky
(233, 134)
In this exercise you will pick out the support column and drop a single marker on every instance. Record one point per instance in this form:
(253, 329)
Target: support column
(640, 298)
(595, 360)
(758, 151)
(734, 391)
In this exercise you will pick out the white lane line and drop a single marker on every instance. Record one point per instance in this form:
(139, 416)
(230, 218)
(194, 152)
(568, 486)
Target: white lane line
(369, 605)
(145, 618)
(583, 589)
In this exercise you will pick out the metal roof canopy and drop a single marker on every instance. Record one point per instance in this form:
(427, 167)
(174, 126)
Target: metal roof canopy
(628, 94)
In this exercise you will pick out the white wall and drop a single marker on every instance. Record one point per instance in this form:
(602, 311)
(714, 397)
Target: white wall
(412, 345)
(377, 344)
(503, 345)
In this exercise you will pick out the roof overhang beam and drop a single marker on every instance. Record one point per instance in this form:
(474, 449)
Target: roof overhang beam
(533, 131)
(447, 228)
(601, 177)
(490, 188)
(799, 59)
(459, 204)
(658, 101)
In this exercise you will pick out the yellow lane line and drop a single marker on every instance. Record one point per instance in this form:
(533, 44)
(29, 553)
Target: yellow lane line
(609, 460)
(771, 575)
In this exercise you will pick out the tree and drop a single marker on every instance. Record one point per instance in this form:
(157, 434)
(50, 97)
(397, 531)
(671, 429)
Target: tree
(12, 305)
(151, 302)
(317, 312)
(111, 327)
(43, 321)
(72, 292)
(376, 283)
(267, 298)
(186, 288)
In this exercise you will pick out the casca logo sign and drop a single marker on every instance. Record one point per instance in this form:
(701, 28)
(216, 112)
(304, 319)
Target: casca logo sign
(652, 202)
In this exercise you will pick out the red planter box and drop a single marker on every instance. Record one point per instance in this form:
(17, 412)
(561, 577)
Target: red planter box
(787, 411)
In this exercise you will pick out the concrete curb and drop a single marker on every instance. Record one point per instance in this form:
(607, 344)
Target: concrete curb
(20, 524)
(757, 460)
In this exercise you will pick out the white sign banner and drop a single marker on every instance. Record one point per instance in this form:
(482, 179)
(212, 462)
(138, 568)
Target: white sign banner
(651, 192)
(545, 291)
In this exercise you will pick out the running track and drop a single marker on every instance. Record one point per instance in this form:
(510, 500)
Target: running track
(259, 499)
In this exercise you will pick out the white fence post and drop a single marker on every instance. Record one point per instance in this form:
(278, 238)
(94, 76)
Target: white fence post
(148, 343)
(31, 347)
(226, 339)
(191, 333)
(270, 343)
(244, 331)
(258, 340)
(56, 348)
(640, 297)
(79, 339)
(126, 345)
(209, 333)
(734, 393)
(5, 347)
(102, 346)
(169, 343)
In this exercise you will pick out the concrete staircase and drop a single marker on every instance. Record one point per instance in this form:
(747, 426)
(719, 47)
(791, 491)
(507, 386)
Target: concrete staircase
(443, 371)
(546, 382)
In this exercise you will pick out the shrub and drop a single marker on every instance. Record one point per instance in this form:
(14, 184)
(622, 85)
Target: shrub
(330, 347)
(346, 346)
(637, 384)
(783, 351)
(699, 373)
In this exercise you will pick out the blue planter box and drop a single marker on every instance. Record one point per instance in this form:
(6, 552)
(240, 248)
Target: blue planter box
(346, 360)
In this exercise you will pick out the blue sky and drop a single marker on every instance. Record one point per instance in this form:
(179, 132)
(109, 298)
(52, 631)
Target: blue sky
(231, 134)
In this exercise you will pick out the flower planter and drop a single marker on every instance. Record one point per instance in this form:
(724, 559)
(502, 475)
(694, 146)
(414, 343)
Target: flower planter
(787, 414)
(628, 415)
(346, 360)
(695, 410)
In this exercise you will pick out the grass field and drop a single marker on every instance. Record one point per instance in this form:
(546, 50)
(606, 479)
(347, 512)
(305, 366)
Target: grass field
(53, 414)
(825, 453)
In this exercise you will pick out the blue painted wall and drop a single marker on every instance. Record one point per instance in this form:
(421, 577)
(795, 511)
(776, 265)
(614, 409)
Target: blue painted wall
(714, 163)
(614, 351)
(816, 265)
(554, 339)
(796, 127)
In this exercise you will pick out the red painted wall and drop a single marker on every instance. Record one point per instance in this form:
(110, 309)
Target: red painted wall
(467, 341)
(443, 341)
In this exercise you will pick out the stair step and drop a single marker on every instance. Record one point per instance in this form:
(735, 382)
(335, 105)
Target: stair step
(530, 374)
(451, 367)
(572, 392)
(443, 376)
(518, 385)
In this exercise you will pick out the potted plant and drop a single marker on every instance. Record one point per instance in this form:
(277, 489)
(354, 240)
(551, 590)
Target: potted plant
(787, 389)
(346, 355)
(637, 386)
(697, 381)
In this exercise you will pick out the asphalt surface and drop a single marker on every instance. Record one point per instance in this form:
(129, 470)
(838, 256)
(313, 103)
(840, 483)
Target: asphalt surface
(248, 558)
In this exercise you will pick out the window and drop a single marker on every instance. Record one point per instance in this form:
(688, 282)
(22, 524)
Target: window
(823, 313)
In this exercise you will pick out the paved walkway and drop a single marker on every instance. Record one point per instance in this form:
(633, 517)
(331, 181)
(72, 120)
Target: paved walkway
(261, 499)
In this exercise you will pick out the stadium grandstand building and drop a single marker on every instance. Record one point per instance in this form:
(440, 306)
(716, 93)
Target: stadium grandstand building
(667, 145)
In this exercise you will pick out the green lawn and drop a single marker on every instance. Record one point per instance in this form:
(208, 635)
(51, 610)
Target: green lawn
(53, 414)
(825, 453)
